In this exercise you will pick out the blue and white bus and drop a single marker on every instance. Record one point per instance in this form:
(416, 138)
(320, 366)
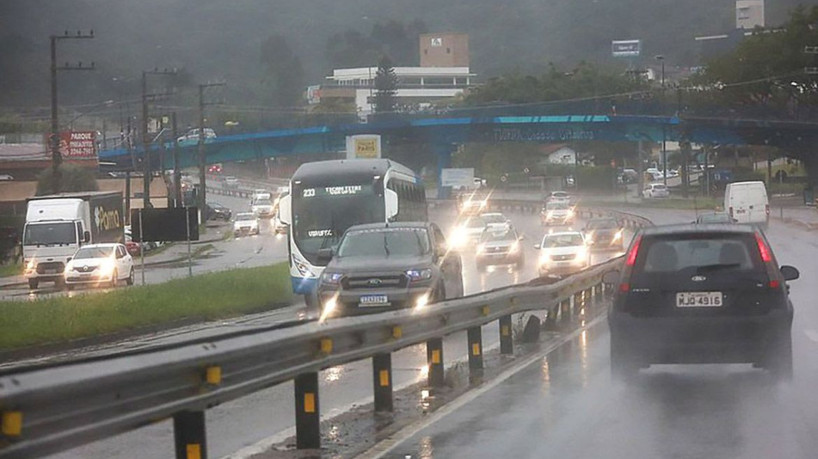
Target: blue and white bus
(327, 197)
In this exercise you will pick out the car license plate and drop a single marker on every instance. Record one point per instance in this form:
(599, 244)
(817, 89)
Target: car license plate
(698, 300)
(374, 300)
(49, 271)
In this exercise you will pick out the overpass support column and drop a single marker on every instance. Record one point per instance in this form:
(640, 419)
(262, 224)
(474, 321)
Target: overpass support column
(189, 435)
(443, 151)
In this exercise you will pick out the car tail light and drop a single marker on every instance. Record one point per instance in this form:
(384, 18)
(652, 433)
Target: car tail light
(631, 260)
(624, 287)
(766, 256)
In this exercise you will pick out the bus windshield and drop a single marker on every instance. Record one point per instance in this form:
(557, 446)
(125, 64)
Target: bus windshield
(321, 214)
(50, 233)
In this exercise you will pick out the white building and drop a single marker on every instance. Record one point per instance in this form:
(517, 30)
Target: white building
(418, 87)
(749, 14)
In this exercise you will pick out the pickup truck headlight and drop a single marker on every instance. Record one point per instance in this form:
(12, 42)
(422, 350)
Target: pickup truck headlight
(417, 275)
(331, 278)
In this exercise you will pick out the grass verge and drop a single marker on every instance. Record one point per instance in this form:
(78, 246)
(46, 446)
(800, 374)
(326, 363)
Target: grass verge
(12, 269)
(205, 297)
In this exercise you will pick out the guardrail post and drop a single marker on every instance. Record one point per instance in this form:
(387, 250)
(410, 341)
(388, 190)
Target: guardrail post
(382, 381)
(189, 435)
(475, 338)
(434, 359)
(506, 344)
(307, 418)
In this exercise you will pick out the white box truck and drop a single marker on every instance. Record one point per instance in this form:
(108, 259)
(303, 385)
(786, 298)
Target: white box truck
(746, 202)
(57, 225)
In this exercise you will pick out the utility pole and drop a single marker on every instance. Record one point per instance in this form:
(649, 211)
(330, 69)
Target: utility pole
(661, 59)
(146, 143)
(202, 198)
(177, 174)
(54, 137)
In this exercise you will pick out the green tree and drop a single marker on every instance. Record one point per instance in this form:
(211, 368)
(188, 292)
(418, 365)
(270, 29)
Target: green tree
(283, 72)
(72, 178)
(386, 86)
(352, 48)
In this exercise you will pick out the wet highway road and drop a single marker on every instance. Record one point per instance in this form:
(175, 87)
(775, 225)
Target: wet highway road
(253, 419)
(565, 404)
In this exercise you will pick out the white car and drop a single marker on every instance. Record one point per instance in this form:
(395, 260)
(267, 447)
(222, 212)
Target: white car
(263, 208)
(655, 190)
(496, 221)
(563, 252)
(467, 232)
(192, 136)
(245, 223)
(558, 196)
(557, 213)
(99, 265)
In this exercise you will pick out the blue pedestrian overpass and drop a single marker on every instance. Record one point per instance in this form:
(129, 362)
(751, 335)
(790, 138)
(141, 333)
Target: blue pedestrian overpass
(442, 134)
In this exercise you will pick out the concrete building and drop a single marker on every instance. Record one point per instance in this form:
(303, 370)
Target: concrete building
(444, 73)
(444, 50)
(749, 14)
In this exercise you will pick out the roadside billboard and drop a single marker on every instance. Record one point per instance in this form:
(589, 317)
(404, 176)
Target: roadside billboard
(457, 178)
(626, 48)
(77, 145)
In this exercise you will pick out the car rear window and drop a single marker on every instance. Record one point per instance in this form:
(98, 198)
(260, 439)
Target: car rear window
(702, 252)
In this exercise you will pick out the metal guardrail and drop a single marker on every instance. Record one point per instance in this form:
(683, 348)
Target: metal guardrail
(52, 409)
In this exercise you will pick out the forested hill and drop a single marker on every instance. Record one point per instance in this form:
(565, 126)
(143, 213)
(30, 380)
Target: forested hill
(217, 39)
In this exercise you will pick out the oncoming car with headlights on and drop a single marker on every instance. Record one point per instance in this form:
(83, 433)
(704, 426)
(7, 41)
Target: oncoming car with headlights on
(245, 223)
(387, 266)
(499, 246)
(467, 232)
(557, 213)
(99, 265)
(563, 252)
(604, 233)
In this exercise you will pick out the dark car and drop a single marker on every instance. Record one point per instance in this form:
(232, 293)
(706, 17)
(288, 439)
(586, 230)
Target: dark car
(604, 233)
(216, 211)
(715, 217)
(701, 294)
(379, 267)
(499, 246)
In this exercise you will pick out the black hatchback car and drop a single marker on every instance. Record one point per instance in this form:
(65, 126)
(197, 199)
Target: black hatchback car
(386, 266)
(701, 294)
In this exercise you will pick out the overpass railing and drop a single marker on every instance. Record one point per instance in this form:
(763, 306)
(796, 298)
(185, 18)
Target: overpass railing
(51, 409)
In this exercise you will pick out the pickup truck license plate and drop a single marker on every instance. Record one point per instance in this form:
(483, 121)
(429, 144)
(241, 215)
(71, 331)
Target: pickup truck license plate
(698, 300)
(374, 300)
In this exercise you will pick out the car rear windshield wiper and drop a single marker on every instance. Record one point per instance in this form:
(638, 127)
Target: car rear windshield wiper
(717, 267)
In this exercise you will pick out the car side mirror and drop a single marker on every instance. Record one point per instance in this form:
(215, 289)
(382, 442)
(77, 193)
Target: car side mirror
(87, 237)
(537, 246)
(611, 277)
(790, 273)
(325, 254)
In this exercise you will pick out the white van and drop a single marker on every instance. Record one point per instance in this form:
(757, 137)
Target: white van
(746, 202)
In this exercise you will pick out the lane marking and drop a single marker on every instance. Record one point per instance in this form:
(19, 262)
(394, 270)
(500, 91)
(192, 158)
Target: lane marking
(387, 445)
(812, 335)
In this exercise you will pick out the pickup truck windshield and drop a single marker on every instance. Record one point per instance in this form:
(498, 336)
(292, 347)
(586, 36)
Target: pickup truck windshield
(50, 233)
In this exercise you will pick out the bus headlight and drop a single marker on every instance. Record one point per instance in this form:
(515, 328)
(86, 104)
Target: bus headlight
(458, 238)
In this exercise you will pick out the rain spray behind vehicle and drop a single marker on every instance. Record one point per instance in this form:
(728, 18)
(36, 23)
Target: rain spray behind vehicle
(57, 225)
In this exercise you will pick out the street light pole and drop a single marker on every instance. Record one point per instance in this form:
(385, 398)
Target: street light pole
(202, 198)
(661, 59)
(146, 141)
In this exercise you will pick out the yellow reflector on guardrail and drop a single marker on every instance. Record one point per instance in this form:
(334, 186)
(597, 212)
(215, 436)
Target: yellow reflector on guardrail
(12, 423)
(213, 375)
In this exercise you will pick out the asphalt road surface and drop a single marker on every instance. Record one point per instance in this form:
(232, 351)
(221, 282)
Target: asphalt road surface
(565, 404)
(269, 413)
